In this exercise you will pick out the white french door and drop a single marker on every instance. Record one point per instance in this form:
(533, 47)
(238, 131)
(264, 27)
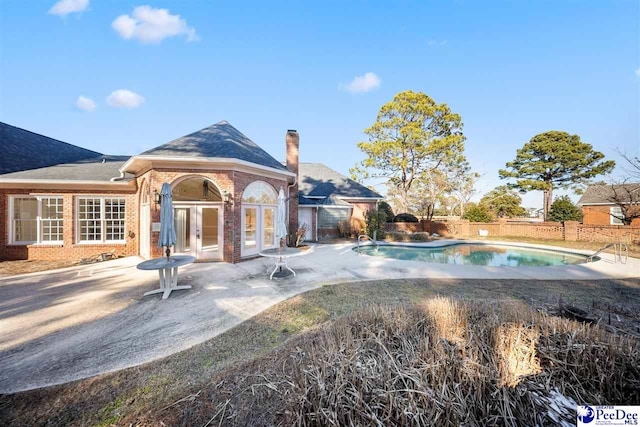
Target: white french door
(145, 231)
(258, 229)
(199, 231)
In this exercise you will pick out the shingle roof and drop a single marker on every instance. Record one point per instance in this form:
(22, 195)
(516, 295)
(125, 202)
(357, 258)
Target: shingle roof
(317, 179)
(101, 168)
(304, 201)
(331, 200)
(603, 194)
(221, 140)
(23, 150)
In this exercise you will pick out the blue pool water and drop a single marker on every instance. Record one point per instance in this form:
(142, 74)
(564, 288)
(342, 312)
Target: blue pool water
(476, 254)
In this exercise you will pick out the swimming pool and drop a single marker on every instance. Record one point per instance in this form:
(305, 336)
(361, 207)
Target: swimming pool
(476, 254)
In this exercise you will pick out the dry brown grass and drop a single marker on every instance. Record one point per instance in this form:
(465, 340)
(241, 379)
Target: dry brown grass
(443, 362)
(497, 348)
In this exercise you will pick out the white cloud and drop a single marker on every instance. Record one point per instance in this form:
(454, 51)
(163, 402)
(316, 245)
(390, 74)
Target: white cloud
(638, 72)
(85, 104)
(362, 84)
(151, 25)
(124, 98)
(65, 7)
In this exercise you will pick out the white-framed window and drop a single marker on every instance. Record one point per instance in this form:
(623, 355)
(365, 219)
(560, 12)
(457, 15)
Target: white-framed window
(259, 204)
(35, 219)
(615, 213)
(100, 220)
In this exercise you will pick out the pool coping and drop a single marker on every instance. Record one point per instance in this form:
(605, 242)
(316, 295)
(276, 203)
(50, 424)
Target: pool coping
(602, 268)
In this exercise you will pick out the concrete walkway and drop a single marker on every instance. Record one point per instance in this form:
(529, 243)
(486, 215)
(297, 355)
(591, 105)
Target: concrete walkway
(63, 325)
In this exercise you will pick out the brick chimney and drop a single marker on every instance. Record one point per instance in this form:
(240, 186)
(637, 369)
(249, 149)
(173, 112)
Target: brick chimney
(293, 147)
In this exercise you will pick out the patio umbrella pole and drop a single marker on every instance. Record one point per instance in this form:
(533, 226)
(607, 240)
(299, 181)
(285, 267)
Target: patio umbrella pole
(167, 236)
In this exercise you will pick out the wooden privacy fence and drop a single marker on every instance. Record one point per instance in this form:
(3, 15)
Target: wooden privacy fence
(570, 230)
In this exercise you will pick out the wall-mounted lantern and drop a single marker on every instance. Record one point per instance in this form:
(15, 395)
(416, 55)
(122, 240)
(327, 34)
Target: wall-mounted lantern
(226, 196)
(157, 199)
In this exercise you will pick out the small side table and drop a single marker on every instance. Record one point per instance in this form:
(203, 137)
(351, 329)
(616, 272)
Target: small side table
(168, 272)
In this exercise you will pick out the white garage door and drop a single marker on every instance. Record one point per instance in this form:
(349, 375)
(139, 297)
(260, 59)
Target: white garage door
(305, 216)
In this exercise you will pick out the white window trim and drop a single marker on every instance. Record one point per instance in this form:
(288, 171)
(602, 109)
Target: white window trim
(103, 228)
(613, 220)
(260, 244)
(10, 227)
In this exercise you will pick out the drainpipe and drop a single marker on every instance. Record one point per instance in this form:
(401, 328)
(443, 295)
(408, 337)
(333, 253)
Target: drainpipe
(295, 182)
(118, 178)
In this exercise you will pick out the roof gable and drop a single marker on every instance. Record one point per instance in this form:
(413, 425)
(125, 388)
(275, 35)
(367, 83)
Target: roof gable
(610, 194)
(221, 140)
(318, 180)
(24, 150)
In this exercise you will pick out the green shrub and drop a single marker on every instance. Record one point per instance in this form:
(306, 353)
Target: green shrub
(563, 210)
(396, 236)
(478, 213)
(405, 217)
(419, 236)
(373, 221)
(386, 212)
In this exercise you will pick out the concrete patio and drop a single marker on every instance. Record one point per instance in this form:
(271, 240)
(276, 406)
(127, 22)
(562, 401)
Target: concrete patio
(68, 324)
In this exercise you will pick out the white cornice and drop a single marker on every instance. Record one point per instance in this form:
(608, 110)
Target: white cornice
(136, 164)
(62, 184)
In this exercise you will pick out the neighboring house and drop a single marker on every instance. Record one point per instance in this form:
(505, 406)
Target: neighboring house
(62, 201)
(608, 204)
(327, 197)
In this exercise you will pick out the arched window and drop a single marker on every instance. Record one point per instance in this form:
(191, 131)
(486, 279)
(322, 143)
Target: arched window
(259, 192)
(259, 202)
(145, 193)
(196, 190)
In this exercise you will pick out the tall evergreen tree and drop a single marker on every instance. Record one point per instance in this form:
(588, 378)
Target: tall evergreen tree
(555, 159)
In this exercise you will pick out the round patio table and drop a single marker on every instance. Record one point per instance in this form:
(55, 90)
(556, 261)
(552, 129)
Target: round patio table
(168, 271)
(281, 255)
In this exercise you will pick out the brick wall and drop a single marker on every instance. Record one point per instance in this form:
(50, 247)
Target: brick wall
(70, 249)
(570, 230)
(596, 215)
(600, 215)
(609, 233)
(359, 208)
(233, 182)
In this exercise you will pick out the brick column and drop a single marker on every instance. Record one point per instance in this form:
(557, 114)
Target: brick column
(502, 227)
(570, 231)
(461, 227)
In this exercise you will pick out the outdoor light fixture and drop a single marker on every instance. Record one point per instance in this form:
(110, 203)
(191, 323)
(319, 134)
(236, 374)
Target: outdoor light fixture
(156, 197)
(226, 196)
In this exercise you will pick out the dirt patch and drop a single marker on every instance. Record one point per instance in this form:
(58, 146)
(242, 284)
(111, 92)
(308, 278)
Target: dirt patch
(193, 378)
(10, 268)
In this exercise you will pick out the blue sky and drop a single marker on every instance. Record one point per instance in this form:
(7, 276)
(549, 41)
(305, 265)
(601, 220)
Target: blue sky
(511, 69)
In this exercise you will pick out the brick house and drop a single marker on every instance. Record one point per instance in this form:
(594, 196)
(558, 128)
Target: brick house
(604, 204)
(327, 197)
(59, 200)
